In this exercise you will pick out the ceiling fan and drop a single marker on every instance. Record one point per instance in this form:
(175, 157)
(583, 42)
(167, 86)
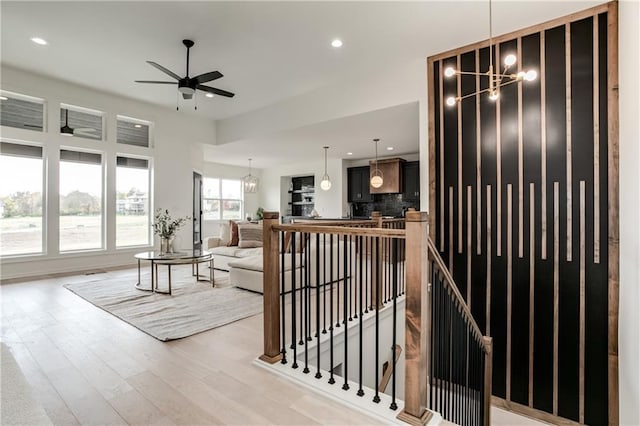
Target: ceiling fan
(188, 85)
(67, 130)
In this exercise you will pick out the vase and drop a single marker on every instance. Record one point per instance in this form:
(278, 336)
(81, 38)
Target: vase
(166, 245)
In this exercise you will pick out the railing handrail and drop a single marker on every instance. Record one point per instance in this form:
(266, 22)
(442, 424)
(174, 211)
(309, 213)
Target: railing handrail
(451, 286)
(342, 230)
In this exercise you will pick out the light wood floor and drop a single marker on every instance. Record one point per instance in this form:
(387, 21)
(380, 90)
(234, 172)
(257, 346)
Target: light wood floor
(88, 367)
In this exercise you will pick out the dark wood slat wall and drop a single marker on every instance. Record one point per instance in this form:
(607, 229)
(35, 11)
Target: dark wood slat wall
(523, 220)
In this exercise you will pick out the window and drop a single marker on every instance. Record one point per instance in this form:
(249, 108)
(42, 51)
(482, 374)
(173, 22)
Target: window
(80, 200)
(133, 226)
(222, 199)
(133, 132)
(22, 112)
(80, 122)
(21, 188)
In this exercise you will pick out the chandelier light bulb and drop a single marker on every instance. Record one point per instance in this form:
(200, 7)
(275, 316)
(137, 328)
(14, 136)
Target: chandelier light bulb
(531, 75)
(494, 95)
(521, 75)
(510, 60)
(326, 183)
(451, 101)
(449, 72)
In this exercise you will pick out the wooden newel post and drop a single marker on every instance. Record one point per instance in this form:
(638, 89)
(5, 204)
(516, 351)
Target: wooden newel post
(377, 256)
(271, 288)
(418, 314)
(488, 374)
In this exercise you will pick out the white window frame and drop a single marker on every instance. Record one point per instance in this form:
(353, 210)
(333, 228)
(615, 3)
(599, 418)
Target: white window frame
(221, 200)
(150, 203)
(103, 206)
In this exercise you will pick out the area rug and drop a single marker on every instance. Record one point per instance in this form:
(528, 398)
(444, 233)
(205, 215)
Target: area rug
(193, 307)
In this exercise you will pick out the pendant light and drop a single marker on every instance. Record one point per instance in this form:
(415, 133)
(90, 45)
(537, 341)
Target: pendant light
(376, 175)
(250, 182)
(325, 183)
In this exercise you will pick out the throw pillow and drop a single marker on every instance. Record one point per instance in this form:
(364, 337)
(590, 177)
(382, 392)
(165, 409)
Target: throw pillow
(225, 232)
(249, 235)
(233, 238)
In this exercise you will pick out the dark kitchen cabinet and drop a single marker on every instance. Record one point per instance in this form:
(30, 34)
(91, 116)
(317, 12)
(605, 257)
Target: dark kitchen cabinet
(358, 184)
(411, 181)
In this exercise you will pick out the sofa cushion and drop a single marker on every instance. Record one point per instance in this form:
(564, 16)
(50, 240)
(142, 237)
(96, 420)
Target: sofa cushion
(225, 232)
(254, 263)
(235, 251)
(249, 235)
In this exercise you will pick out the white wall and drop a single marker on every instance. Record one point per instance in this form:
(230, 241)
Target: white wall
(629, 329)
(327, 203)
(176, 153)
(225, 171)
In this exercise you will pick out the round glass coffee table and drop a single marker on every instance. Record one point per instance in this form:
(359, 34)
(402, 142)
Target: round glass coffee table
(183, 257)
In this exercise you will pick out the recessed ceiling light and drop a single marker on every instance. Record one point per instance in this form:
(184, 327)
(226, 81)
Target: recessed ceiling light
(3, 98)
(389, 148)
(209, 95)
(137, 126)
(40, 41)
(336, 43)
(349, 153)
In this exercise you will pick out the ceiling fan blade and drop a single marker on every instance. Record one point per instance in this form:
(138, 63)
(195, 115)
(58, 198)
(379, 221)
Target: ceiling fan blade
(84, 129)
(216, 91)
(156, 82)
(164, 70)
(187, 96)
(209, 76)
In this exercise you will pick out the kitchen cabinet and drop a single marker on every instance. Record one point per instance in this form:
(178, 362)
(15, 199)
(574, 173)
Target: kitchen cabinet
(411, 181)
(358, 184)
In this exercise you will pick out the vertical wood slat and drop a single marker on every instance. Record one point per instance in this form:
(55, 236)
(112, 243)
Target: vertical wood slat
(509, 285)
(441, 119)
(478, 162)
(460, 191)
(556, 290)
(581, 352)
(498, 176)
(450, 265)
(596, 143)
(469, 252)
(417, 324)
(568, 147)
(532, 283)
(271, 289)
(543, 149)
(520, 160)
(488, 255)
(431, 117)
(613, 223)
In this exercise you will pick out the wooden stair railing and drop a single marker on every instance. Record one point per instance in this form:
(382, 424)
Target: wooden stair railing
(388, 371)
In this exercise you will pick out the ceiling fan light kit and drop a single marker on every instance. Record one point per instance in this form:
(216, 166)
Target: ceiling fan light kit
(187, 86)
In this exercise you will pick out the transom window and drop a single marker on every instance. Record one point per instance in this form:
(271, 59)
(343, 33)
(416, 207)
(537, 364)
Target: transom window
(22, 112)
(222, 199)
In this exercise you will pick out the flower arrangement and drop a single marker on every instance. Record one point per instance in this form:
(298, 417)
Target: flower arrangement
(165, 226)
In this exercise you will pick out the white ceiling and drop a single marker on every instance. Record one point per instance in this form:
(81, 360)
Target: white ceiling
(267, 51)
(396, 127)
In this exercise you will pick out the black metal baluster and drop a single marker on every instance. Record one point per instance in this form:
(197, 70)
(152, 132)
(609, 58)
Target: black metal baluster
(324, 283)
(338, 280)
(345, 386)
(318, 375)
(454, 364)
(375, 272)
(307, 315)
(331, 379)
(283, 273)
(303, 268)
(349, 264)
(394, 259)
(360, 332)
(448, 356)
(368, 278)
(308, 287)
(293, 301)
